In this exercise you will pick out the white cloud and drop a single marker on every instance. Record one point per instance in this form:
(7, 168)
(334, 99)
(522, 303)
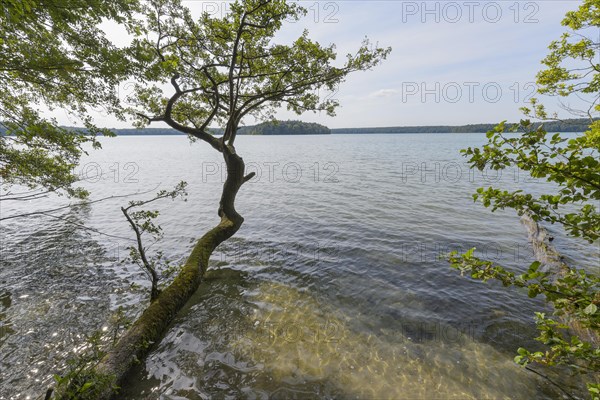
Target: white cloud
(384, 93)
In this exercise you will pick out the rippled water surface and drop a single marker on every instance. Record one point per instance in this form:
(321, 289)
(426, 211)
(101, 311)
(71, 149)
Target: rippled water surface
(332, 288)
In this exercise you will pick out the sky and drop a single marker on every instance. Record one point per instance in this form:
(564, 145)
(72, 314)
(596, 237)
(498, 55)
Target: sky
(452, 62)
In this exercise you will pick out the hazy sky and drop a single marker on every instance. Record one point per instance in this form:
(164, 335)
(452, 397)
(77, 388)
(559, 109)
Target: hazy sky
(451, 63)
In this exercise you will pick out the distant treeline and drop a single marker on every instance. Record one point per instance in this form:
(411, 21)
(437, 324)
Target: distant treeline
(311, 128)
(285, 128)
(265, 128)
(569, 125)
(147, 131)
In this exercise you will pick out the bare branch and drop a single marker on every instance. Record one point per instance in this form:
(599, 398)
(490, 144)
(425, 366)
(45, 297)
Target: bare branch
(82, 203)
(77, 224)
(142, 252)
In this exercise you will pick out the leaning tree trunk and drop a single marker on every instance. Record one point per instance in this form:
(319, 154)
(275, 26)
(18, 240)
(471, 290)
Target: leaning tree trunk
(151, 325)
(555, 266)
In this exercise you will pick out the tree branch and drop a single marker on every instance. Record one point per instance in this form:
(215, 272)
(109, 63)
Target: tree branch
(83, 203)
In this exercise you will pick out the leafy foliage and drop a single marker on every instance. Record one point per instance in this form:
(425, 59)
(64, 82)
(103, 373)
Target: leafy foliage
(55, 55)
(142, 221)
(572, 66)
(224, 69)
(574, 295)
(572, 164)
(573, 167)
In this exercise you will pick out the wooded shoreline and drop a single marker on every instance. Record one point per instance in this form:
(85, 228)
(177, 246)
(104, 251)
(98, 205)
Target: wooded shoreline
(305, 128)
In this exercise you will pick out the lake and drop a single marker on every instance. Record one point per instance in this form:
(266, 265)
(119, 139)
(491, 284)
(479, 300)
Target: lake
(334, 287)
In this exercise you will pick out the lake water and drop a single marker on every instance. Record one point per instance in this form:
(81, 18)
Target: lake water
(334, 287)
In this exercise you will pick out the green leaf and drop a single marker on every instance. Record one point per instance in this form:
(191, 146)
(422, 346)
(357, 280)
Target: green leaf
(86, 386)
(534, 266)
(590, 309)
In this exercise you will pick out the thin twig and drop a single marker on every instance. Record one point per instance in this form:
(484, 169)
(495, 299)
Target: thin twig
(83, 203)
(85, 227)
(550, 380)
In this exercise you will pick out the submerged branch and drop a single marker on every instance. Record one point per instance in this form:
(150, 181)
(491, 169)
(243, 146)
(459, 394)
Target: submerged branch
(82, 203)
(77, 224)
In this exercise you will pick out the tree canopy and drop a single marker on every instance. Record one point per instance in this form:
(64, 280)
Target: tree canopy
(54, 54)
(223, 69)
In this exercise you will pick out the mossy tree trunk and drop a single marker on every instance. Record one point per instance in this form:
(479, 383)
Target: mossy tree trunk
(152, 324)
(238, 70)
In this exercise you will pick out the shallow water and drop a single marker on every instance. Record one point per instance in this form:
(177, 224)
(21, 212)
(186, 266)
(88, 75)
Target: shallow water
(332, 288)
